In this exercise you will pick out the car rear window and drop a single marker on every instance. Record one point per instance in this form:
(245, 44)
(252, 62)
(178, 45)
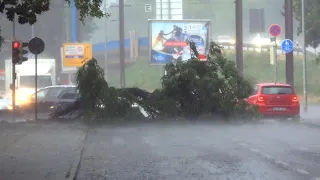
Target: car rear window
(276, 90)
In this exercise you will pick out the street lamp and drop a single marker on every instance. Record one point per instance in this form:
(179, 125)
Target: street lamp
(305, 93)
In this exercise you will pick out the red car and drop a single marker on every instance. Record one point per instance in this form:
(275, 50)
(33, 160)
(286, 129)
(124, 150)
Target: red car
(275, 99)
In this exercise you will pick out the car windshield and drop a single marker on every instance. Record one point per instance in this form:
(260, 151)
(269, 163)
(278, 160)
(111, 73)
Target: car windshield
(277, 90)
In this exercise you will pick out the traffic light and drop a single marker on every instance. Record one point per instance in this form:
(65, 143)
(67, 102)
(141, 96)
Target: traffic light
(18, 52)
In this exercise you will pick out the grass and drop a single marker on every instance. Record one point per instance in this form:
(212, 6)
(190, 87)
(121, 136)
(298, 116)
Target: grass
(140, 74)
(256, 67)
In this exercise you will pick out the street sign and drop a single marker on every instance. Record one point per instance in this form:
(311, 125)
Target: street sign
(36, 45)
(287, 45)
(76, 54)
(148, 8)
(275, 30)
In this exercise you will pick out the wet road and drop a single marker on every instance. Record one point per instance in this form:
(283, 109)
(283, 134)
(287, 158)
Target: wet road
(39, 151)
(271, 150)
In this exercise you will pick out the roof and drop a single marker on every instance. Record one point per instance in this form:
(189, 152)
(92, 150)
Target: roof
(273, 84)
(60, 86)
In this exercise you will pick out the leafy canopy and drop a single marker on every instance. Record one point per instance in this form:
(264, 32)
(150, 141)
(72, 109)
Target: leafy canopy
(189, 89)
(312, 21)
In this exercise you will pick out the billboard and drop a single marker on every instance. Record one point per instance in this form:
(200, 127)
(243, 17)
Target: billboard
(76, 54)
(168, 39)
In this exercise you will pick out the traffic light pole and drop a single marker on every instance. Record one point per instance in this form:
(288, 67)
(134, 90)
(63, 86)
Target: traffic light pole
(36, 87)
(13, 72)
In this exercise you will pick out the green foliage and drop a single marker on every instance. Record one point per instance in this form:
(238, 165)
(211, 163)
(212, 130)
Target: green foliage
(202, 87)
(189, 89)
(97, 100)
(1, 39)
(312, 22)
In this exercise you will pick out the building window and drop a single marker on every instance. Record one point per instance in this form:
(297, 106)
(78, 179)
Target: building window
(169, 9)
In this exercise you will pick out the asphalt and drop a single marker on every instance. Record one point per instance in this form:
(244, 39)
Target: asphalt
(267, 150)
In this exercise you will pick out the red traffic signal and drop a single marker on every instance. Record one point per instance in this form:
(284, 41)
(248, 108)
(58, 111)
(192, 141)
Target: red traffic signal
(18, 52)
(16, 44)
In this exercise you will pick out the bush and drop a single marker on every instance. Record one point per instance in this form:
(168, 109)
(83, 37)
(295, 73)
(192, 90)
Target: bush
(189, 89)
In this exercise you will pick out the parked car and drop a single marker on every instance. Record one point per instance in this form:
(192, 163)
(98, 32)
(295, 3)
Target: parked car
(4, 104)
(53, 101)
(275, 99)
(225, 39)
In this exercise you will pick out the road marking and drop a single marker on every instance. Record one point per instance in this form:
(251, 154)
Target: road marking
(267, 156)
(233, 139)
(282, 163)
(317, 178)
(302, 171)
(243, 144)
(254, 150)
(303, 149)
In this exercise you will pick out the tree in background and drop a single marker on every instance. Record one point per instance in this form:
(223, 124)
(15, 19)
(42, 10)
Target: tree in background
(312, 22)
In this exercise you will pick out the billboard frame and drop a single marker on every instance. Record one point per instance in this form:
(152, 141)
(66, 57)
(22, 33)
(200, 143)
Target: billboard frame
(173, 20)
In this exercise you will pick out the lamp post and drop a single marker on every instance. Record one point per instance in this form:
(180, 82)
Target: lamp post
(305, 88)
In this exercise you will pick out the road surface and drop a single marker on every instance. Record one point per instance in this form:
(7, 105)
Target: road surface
(270, 150)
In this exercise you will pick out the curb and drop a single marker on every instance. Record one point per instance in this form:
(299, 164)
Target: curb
(75, 166)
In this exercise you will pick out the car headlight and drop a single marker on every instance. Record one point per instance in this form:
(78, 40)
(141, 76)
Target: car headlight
(9, 107)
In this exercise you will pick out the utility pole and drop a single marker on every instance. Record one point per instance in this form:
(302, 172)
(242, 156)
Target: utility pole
(289, 35)
(13, 85)
(122, 50)
(106, 41)
(305, 87)
(239, 36)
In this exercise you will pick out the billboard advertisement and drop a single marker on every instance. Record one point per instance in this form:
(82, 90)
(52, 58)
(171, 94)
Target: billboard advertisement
(168, 39)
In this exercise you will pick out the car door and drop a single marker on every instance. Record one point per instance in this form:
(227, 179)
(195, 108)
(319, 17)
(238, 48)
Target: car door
(30, 106)
(68, 101)
(47, 104)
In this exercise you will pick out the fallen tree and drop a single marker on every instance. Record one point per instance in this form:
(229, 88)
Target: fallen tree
(189, 89)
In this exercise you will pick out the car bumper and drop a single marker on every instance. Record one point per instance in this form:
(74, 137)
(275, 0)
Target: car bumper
(267, 110)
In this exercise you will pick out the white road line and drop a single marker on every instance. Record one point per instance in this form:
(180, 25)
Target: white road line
(267, 156)
(243, 144)
(303, 149)
(254, 150)
(233, 139)
(302, 171)
(282, 163)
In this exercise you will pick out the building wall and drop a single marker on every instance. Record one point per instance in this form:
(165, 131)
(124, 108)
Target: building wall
(135, 19)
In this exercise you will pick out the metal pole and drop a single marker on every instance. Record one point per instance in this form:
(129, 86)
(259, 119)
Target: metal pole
(32, 31)
(289, 35)
(13, 72)
(239, 36)
(36, 88)
(105, 45)
(275, 59)
(122, 50)
(161, 9)
(305, 86)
